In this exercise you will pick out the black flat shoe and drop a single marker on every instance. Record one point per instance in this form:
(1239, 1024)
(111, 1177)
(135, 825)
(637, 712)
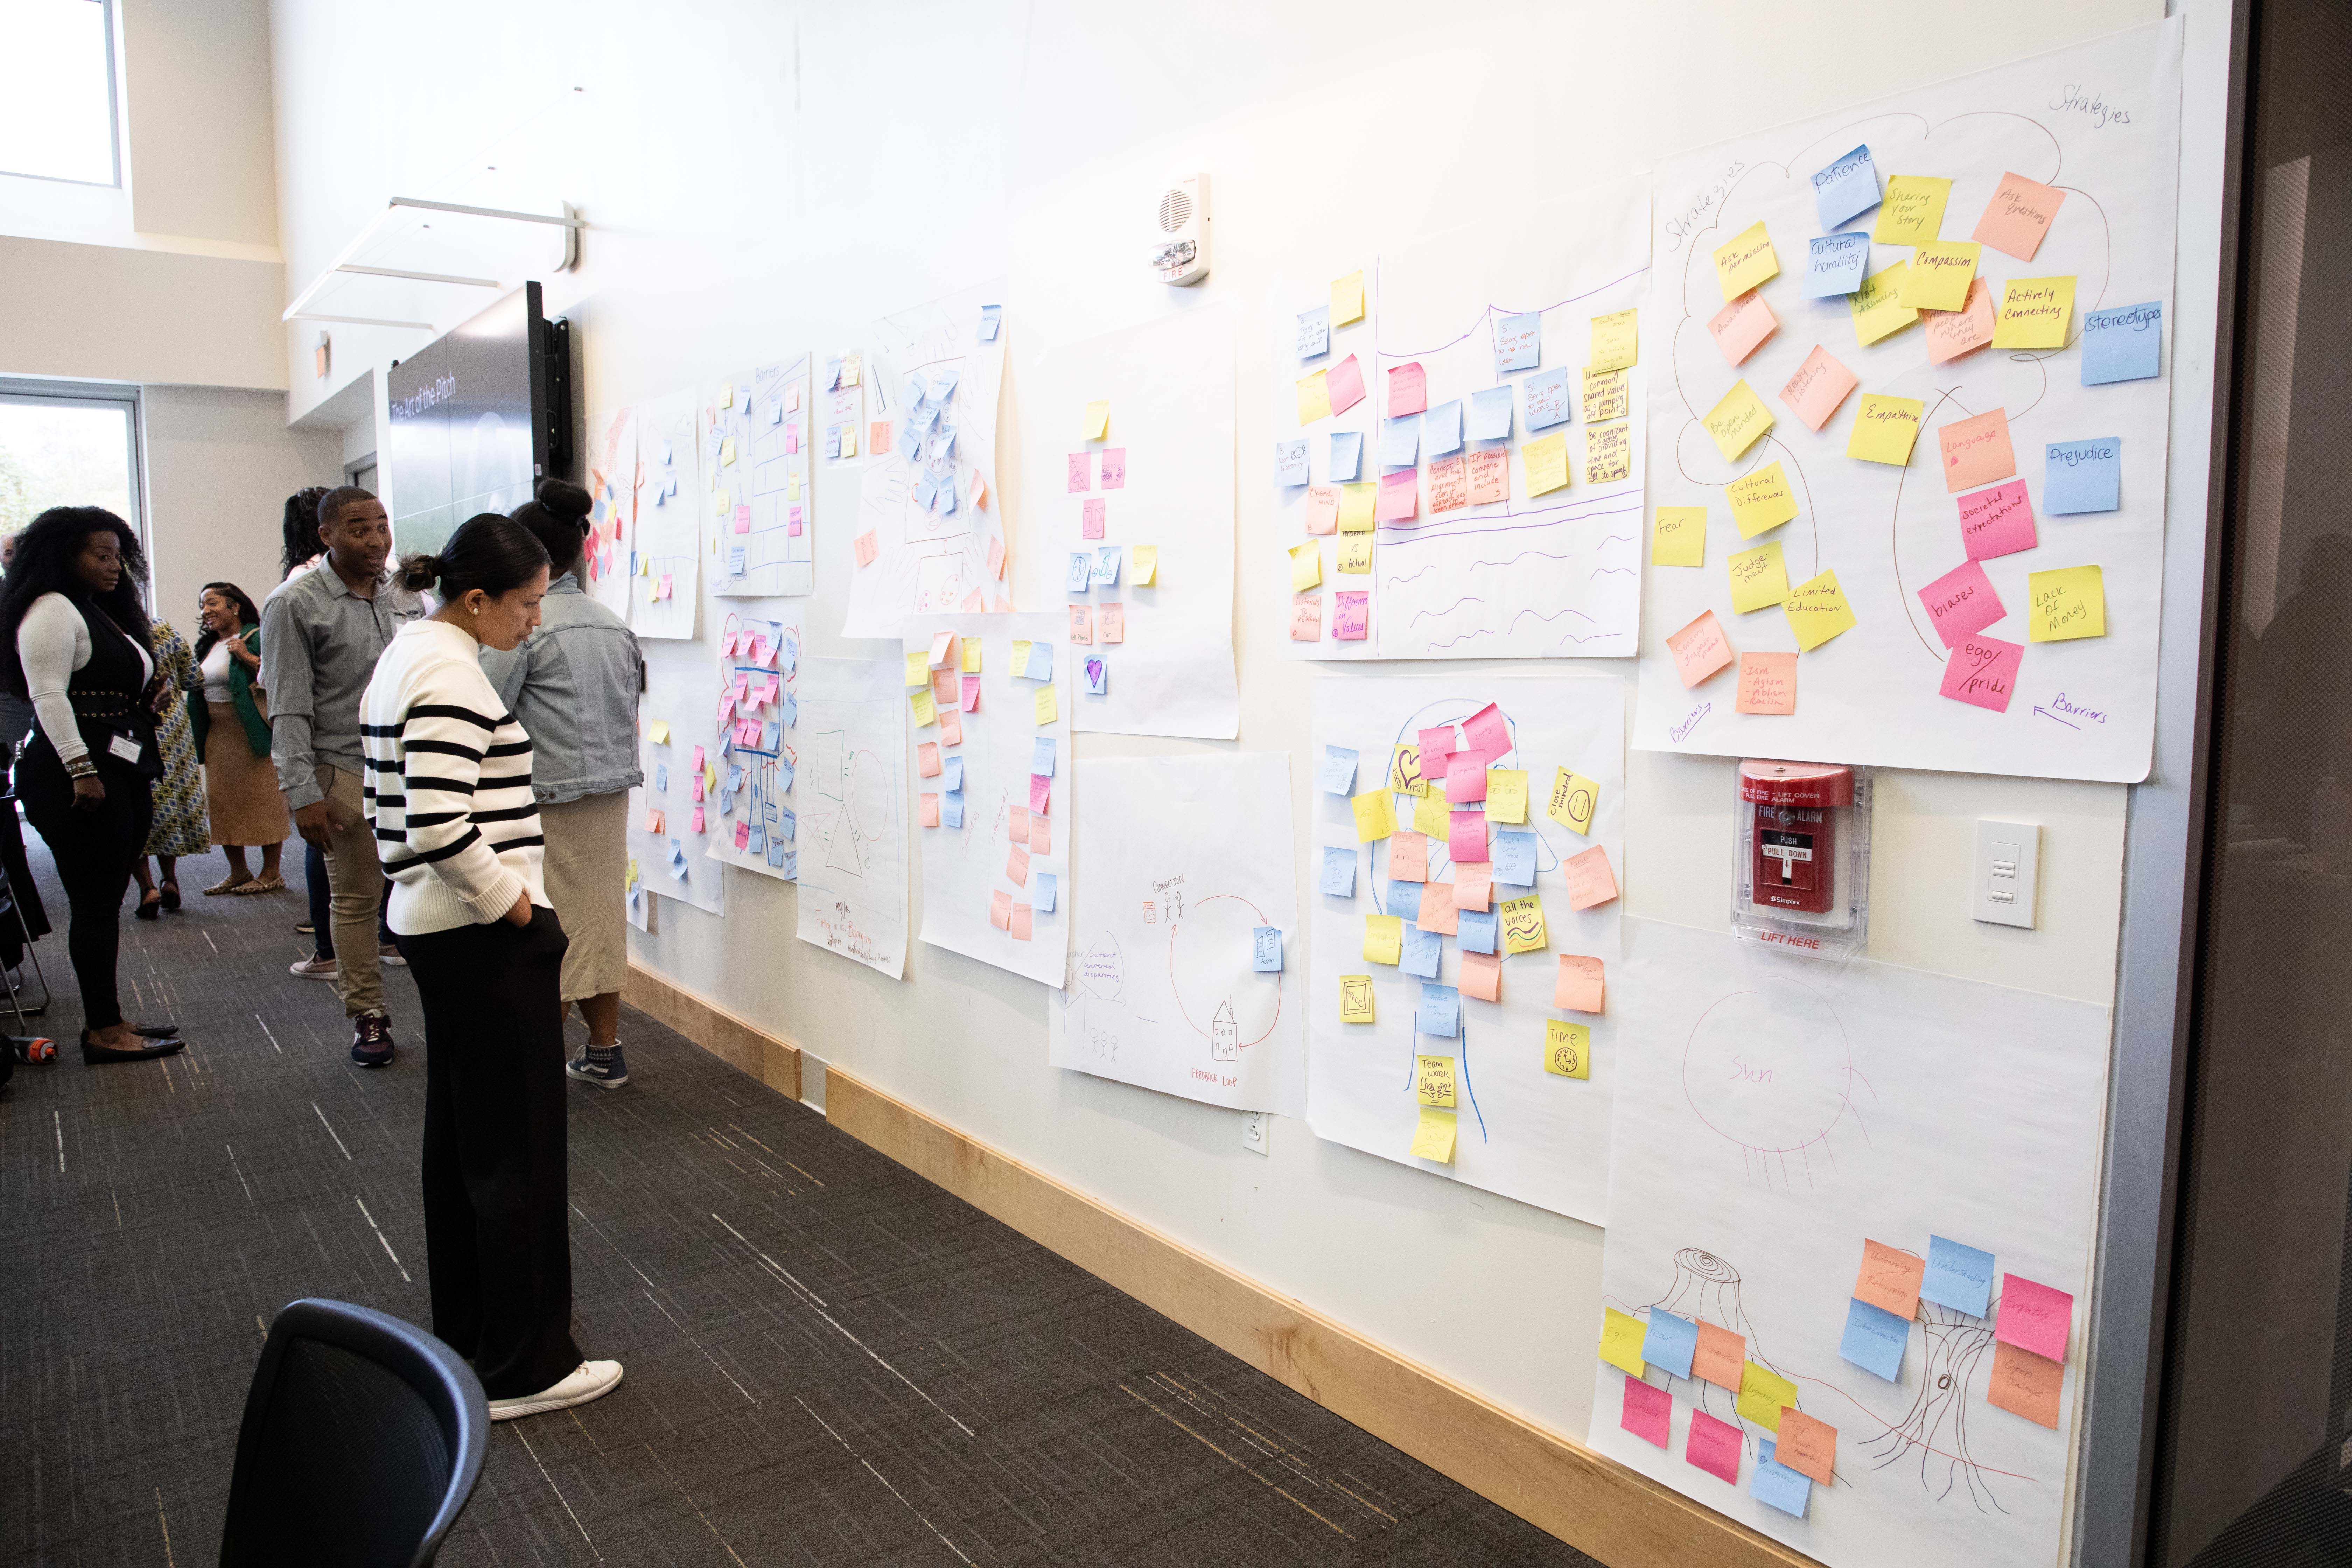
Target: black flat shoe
(156, 1031)
(98, 1055)
(170, 892)
(151, 909)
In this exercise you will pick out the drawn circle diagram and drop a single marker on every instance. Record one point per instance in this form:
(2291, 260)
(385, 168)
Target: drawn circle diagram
(1771, 1069)
(1203, 976)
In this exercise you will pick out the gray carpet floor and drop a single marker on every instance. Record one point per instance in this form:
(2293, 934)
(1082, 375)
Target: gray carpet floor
(830, 1360)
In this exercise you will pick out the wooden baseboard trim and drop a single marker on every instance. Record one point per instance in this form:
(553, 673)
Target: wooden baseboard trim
(736, 1041)
(1591, 1502)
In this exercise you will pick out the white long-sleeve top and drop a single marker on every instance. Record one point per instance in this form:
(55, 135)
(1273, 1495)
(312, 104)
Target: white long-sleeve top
(52, 642)
(448, 786)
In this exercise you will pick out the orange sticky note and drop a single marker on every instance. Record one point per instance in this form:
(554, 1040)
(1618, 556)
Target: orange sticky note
(1590, 881)
(1890, 1279)
(1000, 911)
(1473, 886)
(1976, 451)
(1951, 334)
(1016, 866)
(1822, 382)
(1700, 648)
(927, 759)
(1016, 825)
(2025, 1385)
(1741, 326)
(927, 810)
(1307, 617)
(1582, 984)
(1720, 1357)
(1021, 918)
(1322, 509)
(1408, 857)
(1481, 976)
(1490, 476)
(1110, 622)
(865, 547)
(1041, 834)
(1438, 911)
(1082, 625)
(653, 822)
(1807, 1444)
(1768, 683)
(2018, 217)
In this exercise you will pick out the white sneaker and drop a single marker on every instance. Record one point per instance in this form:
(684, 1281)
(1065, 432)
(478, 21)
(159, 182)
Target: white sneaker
(588, 1380)
(314, 968)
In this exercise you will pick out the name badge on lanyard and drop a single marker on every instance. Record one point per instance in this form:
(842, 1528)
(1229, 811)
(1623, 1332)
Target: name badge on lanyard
(123, 746)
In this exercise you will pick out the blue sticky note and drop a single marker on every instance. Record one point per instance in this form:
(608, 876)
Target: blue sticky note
(1779, 1486)
(1875, 1338)
(1490, 414)
(783, 774)
(1670, 1341)
(951, 775)
(1347, 455)
(911, 440)
(1041, 758)
(988, 321)
(1314, 331)
(1106, 571)
(943, 501)
(1400, 441)
(1446, 428)
(1475, 930)
(1847, 186)
(1404, 899)
(1439, 1013)
(1097, 673)
(1040, 662)
(951, 808)
(1549, 403)
(676, 861)
(1338, 775)
(943, 385)
(1043, 886)
(661, 778)
(1265, 950)
(1958, 1276)
(1837, 264)
(1420, 951)
(770, 735)
(757, 844)
(1339, 873)
(2120, 344)
(2083, 476)
(922, 495)
(1290, 460)
(788, 826)
(1518, 342)
(1081, 575)
(777, 852)
(788, 711)
(1514, 858)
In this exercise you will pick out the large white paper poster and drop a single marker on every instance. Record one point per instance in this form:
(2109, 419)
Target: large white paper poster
(1490, 936)
(757, 715)
(673, 814)
(764, 515)
(666, 591)
(1187, 975)
(1137, 523)
(1775, 1114)
(1492, 509)
(612, 522)
(849, 794)
(2016, 513)
(992, 805)
(931, 540)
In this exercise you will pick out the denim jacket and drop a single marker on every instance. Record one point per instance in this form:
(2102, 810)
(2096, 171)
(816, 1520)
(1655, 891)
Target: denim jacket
(574, 683)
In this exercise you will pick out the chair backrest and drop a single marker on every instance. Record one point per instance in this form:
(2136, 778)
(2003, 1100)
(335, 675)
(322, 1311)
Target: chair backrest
(363, 1437)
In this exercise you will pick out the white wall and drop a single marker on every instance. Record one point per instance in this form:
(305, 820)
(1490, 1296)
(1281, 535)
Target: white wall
(220, 464)
(197, 80)
(767, 178)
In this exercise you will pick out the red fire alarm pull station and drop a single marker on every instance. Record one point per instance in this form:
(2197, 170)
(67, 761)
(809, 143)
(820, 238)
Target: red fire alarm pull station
(1804, 859)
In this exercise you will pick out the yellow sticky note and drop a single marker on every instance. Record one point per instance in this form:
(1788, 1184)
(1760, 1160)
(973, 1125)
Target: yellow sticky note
(1356, 999)
(1568, 1049)
(727, 451)
(2033, 313)
(660, 732)
(710, 776)
(1404, 770)
(1523, 924)
(1680, 537)
(1758, 578)
(2069, 602)
(1383, 939)
(726, 396)
(1817, 610)
(1097, 420)
(1356, 504)
(1574, 799)
(719, 503)
(849, 370)
(918, 669)
(1617, 339)
(1347, 300)
(972, 655)
(926, 713)
(1762, 500)
(1047, 709)
(1356, 554)
(1431, 814)
(849, 440)
(1375, 818)
(631, 879)
(1878, 306)
(1545, 462)
(1434, 1080)
(791, 486)
(1433, 1136)
(1761, 1395)
(1143, 565)
(1939, 276)
(1884, 428)
(1506, 795)
(1912, 211)
(1314, 398)
(1745, 261)
(1738, 420)
(1621, 1340)
(1305, 566)
(1020, 656)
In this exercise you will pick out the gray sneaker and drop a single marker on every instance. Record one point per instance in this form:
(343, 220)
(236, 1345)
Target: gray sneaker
(605, 1069)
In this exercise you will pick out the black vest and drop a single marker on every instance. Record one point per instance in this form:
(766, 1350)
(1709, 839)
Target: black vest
(106, 697)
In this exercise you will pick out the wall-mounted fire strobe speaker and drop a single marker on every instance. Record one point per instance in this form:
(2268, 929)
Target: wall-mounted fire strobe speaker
(1180, 240)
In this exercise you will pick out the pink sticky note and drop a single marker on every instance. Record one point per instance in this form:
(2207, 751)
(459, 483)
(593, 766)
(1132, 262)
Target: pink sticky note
(995, 560)
(792, 439)
(1961, 602)
(1408, 389)
(1351, 617)
(793, 522)
(1996, 521)
(1408, 857)
(1345, 385)
(666, 587)
(698, 819)
(742, 834)
(927, 810)
(927, 759)
(1820, 384)
(1976, 451)
(1649, 1412)
(1713, 1447)
(697, 759)
(973, 605)
(727, 645)
(1739, 327)
(1474, 887)
(1016, 866)
(1951, 334)
(1016, 825)
(1000, 911)
(1110, 622)
(1983, 670)
(1487, 733)
(1041, 836)
(1582, 984)
(1114, 467)
(1041, 794)
(1481, 975)
(2018, 216)
(1436, 745)
(1400, 496)
(1438, 911)
(1021, 922)
(2034, 1317)
(1082, 623)
(1307, 617)
(1081, 471)
(970, 703)
(1590, 882)
(1700, 648)
(950, 726)
(1091, 519)
(726, 705)
(865, 548)
(696, 790)
(1466, 778)
(1322, 509)
(1768, 684)
(742, 518)
(1465, 836)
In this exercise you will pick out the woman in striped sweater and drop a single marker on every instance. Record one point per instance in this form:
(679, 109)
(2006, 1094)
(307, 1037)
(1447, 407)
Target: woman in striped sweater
(449, 796)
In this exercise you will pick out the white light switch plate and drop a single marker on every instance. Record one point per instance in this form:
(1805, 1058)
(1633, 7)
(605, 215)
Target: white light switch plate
(1254, 1131)
(2008, 875)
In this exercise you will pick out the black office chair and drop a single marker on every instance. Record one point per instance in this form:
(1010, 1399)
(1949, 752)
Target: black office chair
(362, 1438)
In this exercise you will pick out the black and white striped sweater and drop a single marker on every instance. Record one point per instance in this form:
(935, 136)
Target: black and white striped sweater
(449, 790)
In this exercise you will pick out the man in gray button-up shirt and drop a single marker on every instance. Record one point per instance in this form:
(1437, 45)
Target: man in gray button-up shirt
(321, 637)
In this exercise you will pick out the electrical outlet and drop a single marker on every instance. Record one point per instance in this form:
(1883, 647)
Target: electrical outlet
(1255, 1127)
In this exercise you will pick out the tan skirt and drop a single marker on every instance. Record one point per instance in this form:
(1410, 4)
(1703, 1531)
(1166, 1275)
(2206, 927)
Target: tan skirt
(240, 788)
(586, 865)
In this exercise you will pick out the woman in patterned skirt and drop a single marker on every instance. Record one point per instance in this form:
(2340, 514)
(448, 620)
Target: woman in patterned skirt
(179, 823)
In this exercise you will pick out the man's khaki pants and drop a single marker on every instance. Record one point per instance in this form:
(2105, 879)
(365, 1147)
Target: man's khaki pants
(355, 877)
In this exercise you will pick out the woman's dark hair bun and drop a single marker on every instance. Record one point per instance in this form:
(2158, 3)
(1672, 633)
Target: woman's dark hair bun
(494, 554)
(565, 500)
(419, 571)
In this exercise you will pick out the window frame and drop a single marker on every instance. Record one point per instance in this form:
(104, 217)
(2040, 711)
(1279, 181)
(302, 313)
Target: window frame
(113, 112)
(125, 396)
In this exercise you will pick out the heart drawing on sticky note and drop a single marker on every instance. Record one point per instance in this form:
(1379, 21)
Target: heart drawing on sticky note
(1094, 672)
